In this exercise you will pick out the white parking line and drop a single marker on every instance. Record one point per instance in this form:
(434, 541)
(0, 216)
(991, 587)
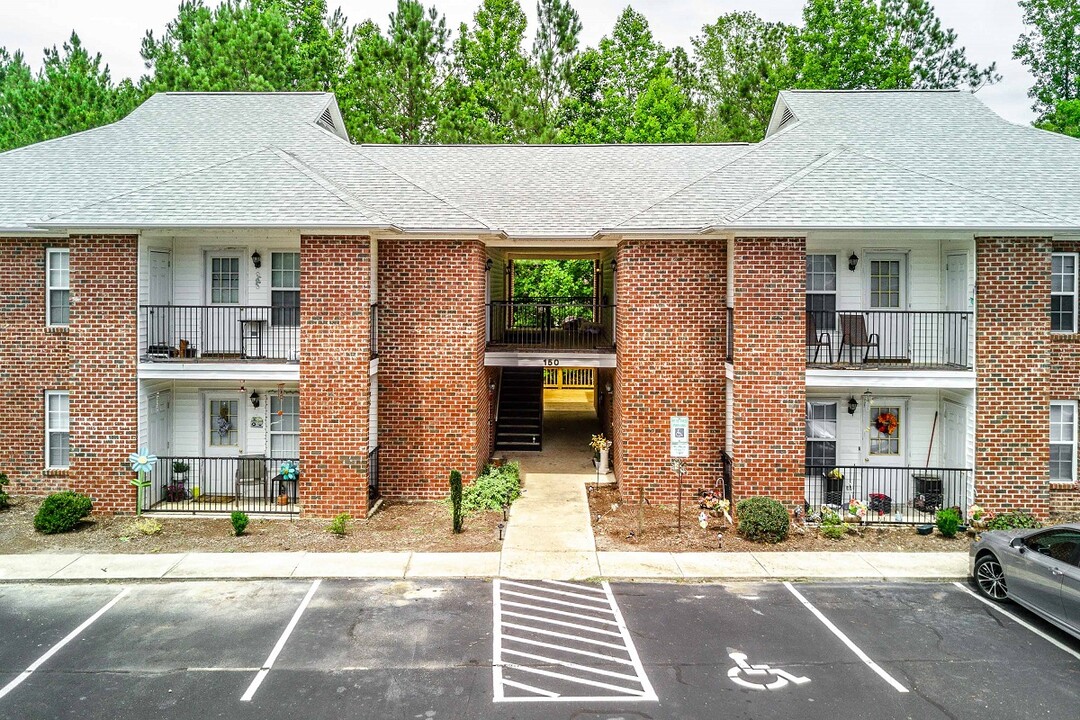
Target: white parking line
(265, 669)
(56, 648)
(1020, 621)
(846, 640)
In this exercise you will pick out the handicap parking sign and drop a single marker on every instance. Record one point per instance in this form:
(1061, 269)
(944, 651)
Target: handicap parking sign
(680, 437)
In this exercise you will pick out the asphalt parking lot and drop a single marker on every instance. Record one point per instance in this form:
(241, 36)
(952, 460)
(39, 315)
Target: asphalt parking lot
(327, 649)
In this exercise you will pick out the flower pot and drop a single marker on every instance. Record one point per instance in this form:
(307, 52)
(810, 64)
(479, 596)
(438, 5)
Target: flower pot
(283, 499)
(852, 519)
(924, 529)
(602, 463)
(978, 524)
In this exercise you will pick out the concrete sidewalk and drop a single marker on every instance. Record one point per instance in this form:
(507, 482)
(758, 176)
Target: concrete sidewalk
(409, 565)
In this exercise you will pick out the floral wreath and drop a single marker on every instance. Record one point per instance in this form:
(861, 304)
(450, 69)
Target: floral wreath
(886, 423)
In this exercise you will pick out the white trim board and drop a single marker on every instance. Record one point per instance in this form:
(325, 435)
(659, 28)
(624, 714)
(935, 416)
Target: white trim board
(862, 379)
(539, 359)
(252, 372)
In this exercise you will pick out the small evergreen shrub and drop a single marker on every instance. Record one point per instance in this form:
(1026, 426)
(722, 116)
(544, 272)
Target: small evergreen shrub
(1014, 521)
(147, 526)
(5, 499)
(61, 512)
(340, 524)
(948, 522)
(832, 526)
(763, 519)
(239, 522)
(455, 500)
(497, 486)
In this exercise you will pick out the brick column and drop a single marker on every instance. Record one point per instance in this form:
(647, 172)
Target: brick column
(769, 386)
(670, 341)
(335, 356)
(1012, 361)
(103, 340)
(434, 398)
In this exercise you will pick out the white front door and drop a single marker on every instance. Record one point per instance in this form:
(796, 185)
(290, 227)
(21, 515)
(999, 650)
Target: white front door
(886, 295)
(953, 435)
(956, 328)
(161, 327)
(886, 434)
(224, 296)
(159, 439)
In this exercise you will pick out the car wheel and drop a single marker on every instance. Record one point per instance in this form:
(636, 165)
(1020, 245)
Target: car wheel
(990, 579)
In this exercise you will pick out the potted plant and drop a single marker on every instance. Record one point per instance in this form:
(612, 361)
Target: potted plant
(856, 511)
(977, 515)
(601, 445)
(289, 473)
(180, 470)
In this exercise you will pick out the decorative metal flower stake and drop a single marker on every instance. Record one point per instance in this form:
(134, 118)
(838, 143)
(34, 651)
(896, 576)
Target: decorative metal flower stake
(142, 462)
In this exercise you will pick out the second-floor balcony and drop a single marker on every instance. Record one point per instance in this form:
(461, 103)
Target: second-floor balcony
(889, 339)
(219, 333)
(552, 324)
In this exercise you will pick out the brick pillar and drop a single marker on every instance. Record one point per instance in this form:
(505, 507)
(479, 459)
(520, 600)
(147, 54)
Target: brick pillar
(1012, 361)
(670, 341)
(335, 355)
(769, 386)
(33, 359)
(434, 398)
(103, 340)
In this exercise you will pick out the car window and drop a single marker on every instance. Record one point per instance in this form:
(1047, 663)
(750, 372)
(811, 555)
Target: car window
(1061, 545)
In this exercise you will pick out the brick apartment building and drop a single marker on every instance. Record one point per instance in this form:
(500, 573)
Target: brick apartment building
(879, 301)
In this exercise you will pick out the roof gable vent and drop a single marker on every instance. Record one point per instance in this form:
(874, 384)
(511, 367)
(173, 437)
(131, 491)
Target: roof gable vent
(326, 120)
(785, 118)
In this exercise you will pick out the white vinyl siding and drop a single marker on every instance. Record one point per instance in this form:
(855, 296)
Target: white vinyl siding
(1063, 288)
(1062, 441)
(57, 287)
(57, 434)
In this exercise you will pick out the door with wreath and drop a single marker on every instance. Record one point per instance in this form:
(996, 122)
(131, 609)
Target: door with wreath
(885, 481)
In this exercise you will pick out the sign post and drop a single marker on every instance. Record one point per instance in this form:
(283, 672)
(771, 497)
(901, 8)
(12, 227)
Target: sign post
(680, 450)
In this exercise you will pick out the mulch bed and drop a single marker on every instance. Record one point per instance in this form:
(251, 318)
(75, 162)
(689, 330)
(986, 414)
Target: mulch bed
(654, 528)
(398, 526)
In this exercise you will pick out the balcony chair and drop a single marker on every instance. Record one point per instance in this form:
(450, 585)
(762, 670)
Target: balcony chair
(817, 340)
(853, 334)
(251, 474)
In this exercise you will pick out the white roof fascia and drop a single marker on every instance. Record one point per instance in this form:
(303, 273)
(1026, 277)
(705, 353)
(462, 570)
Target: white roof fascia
(977, 230)
(166, 227)
(551, 241)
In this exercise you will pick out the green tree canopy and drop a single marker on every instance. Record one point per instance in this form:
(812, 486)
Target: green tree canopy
(1065, 119)
(554, 50)
(553, 278)
(1051, 50)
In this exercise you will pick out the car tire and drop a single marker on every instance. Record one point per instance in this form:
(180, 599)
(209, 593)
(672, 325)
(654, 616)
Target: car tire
(990, 579)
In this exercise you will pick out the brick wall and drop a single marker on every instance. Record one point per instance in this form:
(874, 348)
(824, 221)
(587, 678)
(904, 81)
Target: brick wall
(769, 387)
(33, 359)
(1012, 433)
(434, 398)
(335, 357)
(670, 338)
(103, 341)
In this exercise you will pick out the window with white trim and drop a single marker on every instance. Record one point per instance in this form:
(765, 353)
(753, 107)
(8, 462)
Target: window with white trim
(57, 433)
(821, 290)
(1063, 292)
(57, 287)
(285, 426)
(285, 289)
(821, 435)
(1062, 441)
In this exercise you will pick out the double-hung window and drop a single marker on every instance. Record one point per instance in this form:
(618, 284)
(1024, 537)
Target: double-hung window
(57, 436)
(1063, 292)
(285, 426)
(285, 289)
(820, 436)
(821, 290)
(57, 287)
(1062, 441)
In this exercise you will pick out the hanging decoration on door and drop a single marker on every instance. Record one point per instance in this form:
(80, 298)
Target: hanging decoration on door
(886, 423)
(280, 397)
(224, 424)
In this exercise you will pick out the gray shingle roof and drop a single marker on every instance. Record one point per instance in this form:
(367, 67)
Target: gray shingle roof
(843, 160)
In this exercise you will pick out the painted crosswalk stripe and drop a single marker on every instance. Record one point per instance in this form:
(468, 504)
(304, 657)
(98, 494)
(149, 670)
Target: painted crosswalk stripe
(563, 642)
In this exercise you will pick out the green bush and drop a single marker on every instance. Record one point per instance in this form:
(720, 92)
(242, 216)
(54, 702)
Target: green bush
(61, 512)
(455, 500)
(5, 500)
(832, 526)
(239, 522)
(497, 486)
(1013, 521)
(763, 519)
(948, 522)
(339, 525)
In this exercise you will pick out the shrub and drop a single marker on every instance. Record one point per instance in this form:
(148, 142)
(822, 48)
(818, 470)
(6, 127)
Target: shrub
(61, 512)
(763, 519)
(1013, 521)
(948, 522)
(5, 500)
(455, 500)
(239, 522)
(339, 524)
(497, 486)
(832, 526)
(147, 526)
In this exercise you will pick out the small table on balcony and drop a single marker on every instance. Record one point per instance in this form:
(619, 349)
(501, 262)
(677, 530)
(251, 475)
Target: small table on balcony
(251, 333)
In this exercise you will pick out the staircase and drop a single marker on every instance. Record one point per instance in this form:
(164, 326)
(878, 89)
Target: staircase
(520, 421)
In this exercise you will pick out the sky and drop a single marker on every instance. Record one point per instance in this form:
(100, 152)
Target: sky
(115, 28)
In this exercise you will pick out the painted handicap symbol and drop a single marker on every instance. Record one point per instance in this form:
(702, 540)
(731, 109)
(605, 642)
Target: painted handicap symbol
(757, 677)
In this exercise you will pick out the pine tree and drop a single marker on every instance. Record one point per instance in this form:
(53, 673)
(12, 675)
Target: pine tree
(1051, 51)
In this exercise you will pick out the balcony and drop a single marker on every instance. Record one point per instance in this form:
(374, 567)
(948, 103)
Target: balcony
(221, 485)
(893, 495)
(889, 339)
(219, 333)
(551, 324)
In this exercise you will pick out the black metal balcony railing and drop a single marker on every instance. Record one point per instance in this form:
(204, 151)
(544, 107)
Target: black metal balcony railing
(889, 338)
(189, 484)
(220, 333)
(373, 474)
(558, 324)
(897, 495)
